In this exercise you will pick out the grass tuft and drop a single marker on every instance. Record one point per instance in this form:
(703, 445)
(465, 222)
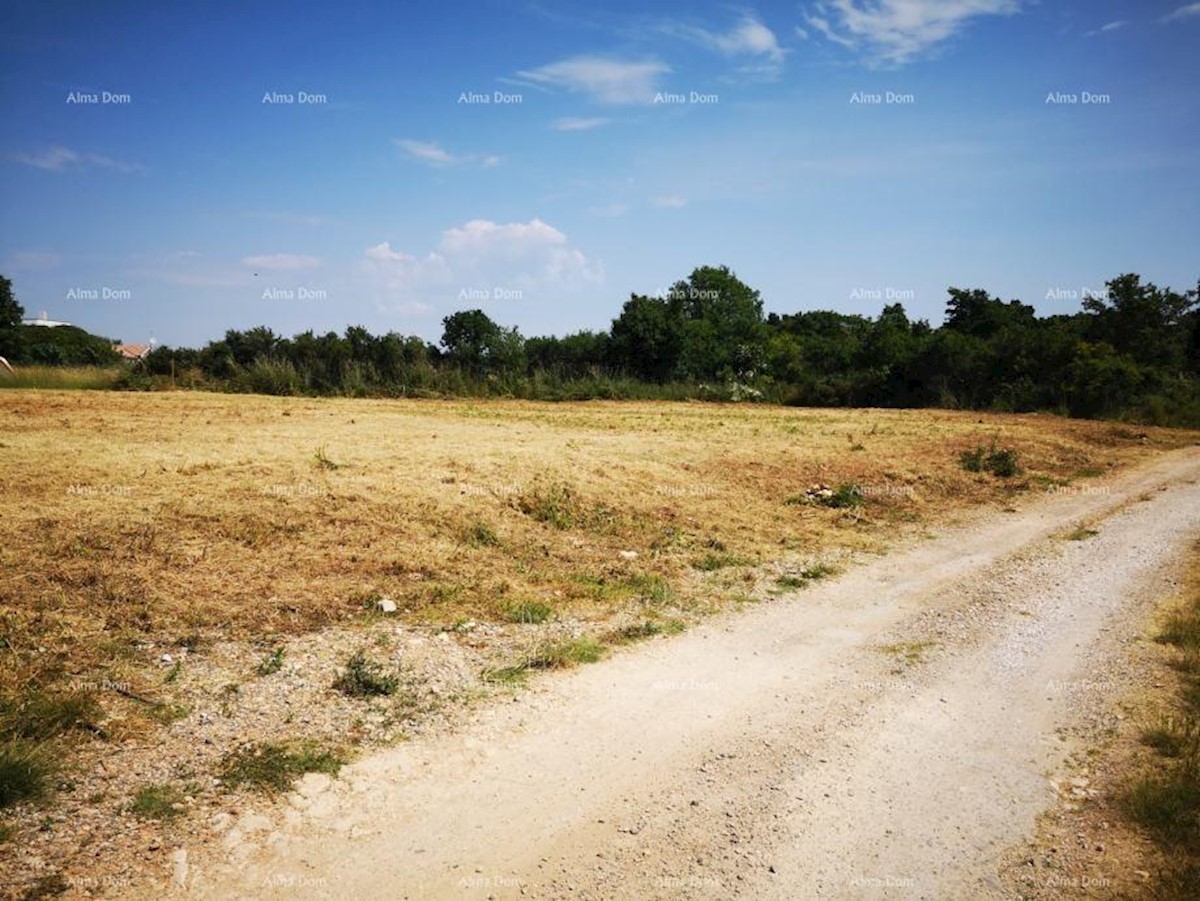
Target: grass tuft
(157, 802)
(273, 662)
(564, 654)
(363, 678)
(712, 561)
(806, 577)
(528, 612)
(480, 534)
(556, 505)
(641, 631)
(26, 770)
(321, 460)
(275, 767)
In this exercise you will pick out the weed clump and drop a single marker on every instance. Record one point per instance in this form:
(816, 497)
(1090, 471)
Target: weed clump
(363, 678)
(1002, 462)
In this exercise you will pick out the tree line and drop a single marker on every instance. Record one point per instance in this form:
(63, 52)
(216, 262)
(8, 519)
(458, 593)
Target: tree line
(1130, 352)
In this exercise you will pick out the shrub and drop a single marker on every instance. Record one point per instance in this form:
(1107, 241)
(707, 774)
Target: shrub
(1002, 462)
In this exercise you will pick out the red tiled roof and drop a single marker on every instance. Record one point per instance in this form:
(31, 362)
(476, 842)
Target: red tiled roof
(132, 351)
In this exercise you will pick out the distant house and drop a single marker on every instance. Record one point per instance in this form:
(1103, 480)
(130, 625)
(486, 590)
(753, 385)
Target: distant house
(131, 353)
(44, 321)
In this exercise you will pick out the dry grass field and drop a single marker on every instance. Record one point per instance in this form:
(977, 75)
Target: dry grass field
(168, 562)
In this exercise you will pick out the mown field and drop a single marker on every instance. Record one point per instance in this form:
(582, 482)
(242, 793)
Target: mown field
(140, 529)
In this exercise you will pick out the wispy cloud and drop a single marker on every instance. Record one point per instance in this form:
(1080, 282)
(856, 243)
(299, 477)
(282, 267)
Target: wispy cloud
(277, 261)
(669, 201)
(1104, 29)
(1184, 12)
(748, 39)
(604, 79)
(577, 123)
(435, 155)
(63, 159)
(895, 32)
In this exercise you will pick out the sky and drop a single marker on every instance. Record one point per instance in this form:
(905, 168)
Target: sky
(173, 170)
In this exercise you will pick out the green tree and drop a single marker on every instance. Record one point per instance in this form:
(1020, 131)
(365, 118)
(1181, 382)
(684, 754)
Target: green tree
(647, 337)
(724, 336)
(11, 314)
(1143, 321)
(479, 346)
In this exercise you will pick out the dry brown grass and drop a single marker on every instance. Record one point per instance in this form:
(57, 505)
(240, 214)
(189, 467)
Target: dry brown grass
(150, 520)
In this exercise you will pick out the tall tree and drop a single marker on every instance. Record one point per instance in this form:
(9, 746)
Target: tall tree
(11, 314)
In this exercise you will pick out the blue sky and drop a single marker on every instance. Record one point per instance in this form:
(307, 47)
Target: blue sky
(180, 203)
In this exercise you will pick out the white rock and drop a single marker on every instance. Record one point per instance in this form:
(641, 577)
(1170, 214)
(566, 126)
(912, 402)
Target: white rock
(387, 605)
(628, 555)
(180, 866)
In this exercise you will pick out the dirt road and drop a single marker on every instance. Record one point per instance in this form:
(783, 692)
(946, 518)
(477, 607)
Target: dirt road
(885, 734)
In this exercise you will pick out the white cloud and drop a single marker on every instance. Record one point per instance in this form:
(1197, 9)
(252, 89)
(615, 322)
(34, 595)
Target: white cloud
(433, 154)
(281, 261)
(61, 159)
(669, 201)
(1104, 29)
(749, 38)
(383, 253)
(1183, 12)
(801, 33)
(605, 79)
(577, 123)
(894, 32)
(527, 257)
(426, 151)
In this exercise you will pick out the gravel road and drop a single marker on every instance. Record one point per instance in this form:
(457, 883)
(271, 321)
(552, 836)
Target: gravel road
(886, 734)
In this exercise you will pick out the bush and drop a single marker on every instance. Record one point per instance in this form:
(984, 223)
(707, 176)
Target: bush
(1002, 462)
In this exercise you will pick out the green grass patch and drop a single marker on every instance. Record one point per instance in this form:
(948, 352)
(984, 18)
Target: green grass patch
(40, 714)
(555, 505)
(83, 378)
(564, 654)
(274, 767)
(1183, 631)
(26, 771)
(480, 534)
(515, 675)
(157, 802)
(641, 631)
(273, 662)
(364, 678)
(713, 561)
(528, 612)
(805, 577)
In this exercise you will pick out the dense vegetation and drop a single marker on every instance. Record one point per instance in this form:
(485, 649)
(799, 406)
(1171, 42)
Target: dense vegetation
(64, 345)
(1133, 352)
